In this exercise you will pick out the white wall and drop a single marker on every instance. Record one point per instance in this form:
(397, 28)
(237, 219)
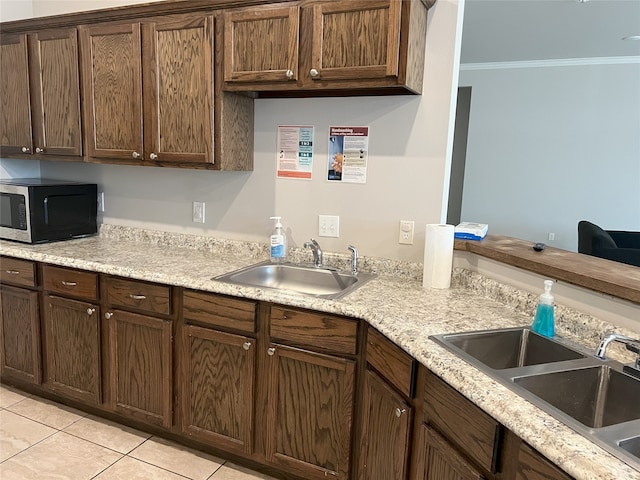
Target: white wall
(549, 146)
(15, 10)
(407, 178)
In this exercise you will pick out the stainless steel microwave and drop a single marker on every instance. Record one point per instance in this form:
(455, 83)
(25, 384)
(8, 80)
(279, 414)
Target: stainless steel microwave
(34, 210)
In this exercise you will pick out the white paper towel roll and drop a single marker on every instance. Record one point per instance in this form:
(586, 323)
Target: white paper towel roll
(438, 256)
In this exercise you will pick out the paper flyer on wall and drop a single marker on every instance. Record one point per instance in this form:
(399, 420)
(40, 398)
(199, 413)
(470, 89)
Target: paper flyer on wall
(295, 151)
(348, 152)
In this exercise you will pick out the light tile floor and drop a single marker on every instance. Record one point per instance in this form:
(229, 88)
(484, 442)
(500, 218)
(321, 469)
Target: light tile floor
(43, 440)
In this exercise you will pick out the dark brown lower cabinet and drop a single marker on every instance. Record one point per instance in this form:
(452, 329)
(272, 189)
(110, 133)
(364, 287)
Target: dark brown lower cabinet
(20, 356)
(218, 387)
(309, 414)
(533, 466)
(72, 344)
(442, 460)
(141, 366)
(386, 428)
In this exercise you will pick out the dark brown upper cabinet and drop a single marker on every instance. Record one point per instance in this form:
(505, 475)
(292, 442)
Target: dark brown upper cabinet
(351, 46)
(40, 94)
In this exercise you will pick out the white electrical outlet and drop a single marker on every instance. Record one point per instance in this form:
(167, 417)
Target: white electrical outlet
(101, 202)
(407, 228)
(328, 226)
(552, 236)
(198, 212)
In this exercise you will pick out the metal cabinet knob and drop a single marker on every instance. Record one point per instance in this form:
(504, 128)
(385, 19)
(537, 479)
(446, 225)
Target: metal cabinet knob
(135, 155)
(271, 351)
(39, 150)
(25, 150)
(91, 311)
(314, 73)
(246, 345)
(153, 156)
(108, 315)
(400, 411)
(289, 74)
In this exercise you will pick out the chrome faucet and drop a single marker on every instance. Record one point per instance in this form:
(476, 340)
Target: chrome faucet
(354, 259)
(632, 344)
(317, 252)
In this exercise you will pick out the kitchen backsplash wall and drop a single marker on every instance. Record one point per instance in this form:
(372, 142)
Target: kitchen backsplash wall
(407, 178)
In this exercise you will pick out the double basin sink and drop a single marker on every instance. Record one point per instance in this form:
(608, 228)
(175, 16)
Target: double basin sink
(595, 397)
(321, 282)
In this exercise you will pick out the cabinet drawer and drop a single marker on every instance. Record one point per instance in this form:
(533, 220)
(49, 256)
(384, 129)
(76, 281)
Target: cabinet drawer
(70, 282)
(467, 426)
(219, 311)
(314, 329)
(391, 362)
(17, 272)
(143, 296)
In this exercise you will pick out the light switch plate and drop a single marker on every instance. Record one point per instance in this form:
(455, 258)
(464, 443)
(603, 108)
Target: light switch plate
(198, 212)
(328, 226)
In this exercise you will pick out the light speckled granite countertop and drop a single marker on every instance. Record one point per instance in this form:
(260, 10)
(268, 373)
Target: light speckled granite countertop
(394, 302)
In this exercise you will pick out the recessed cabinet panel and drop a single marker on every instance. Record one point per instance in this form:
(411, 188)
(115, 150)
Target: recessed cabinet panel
(443, 462)
(20, 333)
(261, 44)
(371, 48)
(178, 80)
(56, 92)
(15, 114)
(111, 63)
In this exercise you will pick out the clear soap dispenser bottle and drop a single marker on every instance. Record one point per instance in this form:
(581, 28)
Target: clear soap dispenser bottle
(278, 243)
(543, 322)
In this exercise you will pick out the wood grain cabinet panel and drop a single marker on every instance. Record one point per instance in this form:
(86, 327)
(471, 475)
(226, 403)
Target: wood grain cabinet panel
(141, 366)
(112, 90)
(309, 414)
(395, 365)
(443, 462)
(214, 310)
(344, 45)
(73, 348)
(15, 97)
(20, 333)
(68, 282)
(533, 466)
(217, 388)
(142, 296)
(14, 271)
(55, 99)
(386, 429)
(261, 44)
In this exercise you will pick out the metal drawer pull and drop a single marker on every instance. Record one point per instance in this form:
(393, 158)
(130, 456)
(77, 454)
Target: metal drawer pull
(400, 411)
(108, 315)
(69, 284)
(246, 345)
(13, 272)
(91, 311)
(271, 351)
(137, 297)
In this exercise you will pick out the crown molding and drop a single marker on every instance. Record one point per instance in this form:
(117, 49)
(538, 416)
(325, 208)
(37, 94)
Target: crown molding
(563, 62)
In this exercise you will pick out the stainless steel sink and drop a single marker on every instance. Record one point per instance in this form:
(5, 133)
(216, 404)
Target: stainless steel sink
(595, 397)
(310, 280)
(511, 348)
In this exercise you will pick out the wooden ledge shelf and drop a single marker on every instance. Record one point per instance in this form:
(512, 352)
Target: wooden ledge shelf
(604, 276)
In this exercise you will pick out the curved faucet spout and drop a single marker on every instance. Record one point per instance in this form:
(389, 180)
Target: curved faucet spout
(317, 252)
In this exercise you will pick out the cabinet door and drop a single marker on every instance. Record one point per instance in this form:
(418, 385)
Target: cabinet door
(140, 363)
(217, 389)
(20, 334)
(386, 427)
(112, 91)
(72, 344)
(356, 39)
(15, 114)
(261, 44)
(310, 412)
(533, 466)
(443, 462)
(178, 89)
(55, 100)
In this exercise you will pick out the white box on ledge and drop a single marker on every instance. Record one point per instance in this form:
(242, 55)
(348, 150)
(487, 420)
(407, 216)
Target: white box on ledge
(470, 231)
